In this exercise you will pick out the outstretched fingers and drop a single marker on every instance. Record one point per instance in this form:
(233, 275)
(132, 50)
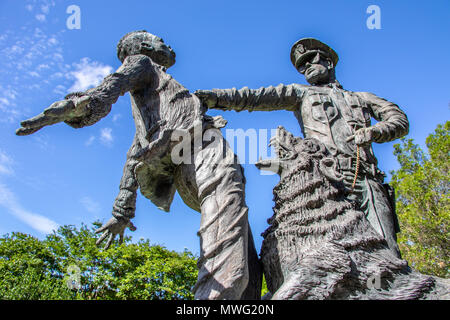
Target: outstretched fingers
(102, 228)
(26, 131)
(110, 240)
(55, 113)
(40, 121)
(102, 237)
(59, 108)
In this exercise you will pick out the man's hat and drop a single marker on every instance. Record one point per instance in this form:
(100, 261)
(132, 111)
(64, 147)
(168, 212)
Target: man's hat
(306, 47)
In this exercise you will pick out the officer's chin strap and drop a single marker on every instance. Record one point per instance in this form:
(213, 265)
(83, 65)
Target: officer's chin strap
(356, 169)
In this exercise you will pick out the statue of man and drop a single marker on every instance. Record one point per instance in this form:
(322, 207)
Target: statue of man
(338, 118)
(162, 108)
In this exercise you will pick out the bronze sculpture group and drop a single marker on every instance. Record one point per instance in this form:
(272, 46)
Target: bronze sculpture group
(334, 223)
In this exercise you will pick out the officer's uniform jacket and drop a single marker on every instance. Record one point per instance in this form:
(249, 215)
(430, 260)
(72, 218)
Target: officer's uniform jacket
(328, 113)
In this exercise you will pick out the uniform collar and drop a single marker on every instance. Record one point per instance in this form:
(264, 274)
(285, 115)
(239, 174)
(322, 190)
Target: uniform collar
(335, 86)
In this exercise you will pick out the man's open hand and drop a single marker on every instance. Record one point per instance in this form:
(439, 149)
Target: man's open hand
(58, 112)
(112, 228)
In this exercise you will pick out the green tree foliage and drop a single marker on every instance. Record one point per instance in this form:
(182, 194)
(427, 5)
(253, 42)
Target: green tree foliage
(422, 192)
(42, 269)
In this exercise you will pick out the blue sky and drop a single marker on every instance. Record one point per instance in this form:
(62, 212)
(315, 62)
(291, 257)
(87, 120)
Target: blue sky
(60, 175)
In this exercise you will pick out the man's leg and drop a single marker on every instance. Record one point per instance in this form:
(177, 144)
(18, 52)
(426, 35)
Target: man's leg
(253, 290)
(223, 263)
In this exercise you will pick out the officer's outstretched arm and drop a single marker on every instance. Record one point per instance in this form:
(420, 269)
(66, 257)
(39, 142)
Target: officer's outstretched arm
(392, 121)
(82, 109)
(281, 97)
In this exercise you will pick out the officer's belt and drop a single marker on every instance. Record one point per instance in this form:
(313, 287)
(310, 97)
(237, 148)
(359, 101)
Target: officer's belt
(349, 164)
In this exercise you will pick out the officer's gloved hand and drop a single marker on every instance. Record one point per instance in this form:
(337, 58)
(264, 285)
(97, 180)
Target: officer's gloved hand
(364, 136)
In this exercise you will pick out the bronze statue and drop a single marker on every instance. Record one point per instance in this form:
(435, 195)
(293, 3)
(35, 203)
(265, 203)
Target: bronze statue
(319, 245)
(206, 182)
(338, 118)
(334, 226)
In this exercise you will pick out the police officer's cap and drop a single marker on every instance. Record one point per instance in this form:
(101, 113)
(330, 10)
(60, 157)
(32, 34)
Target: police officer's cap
(304, 48)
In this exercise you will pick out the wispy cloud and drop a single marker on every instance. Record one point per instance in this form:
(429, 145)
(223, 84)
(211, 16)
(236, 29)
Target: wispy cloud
(116, 117)
(8, 106)
(33, 62)
(40, 17)
(26, 56)
(106, 136)
(89, 141)
(45, 8)
(9, 200)
(90, 205)
(88, 74)
(38, 222)
(43, 142)
(6, 164)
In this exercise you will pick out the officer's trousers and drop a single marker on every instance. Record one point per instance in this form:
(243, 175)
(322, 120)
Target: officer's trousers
(373, 200)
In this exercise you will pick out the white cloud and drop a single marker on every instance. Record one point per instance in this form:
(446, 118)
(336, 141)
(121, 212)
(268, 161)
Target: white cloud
(116, 117)
(34, 74)
(29, 53)
(58, 57)
(106, 136)
(89, 141)
(45, 8)
(90, 205)
(4, 102)
(6, 164)
(43, 141)
(42, 66)
(52, 41)
(60, 89)
(38, 222)
(13, 50)
(32, 62)
(8, 105)
(40, 17)
(88, 74)
(56, 75)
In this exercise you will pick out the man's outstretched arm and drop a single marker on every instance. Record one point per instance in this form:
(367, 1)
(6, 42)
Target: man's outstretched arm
(82, 109)
(281, 97)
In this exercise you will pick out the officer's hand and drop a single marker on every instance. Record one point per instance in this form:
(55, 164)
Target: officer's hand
(59, 111)
(112, 228)
(363, 136)
(207, 97)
